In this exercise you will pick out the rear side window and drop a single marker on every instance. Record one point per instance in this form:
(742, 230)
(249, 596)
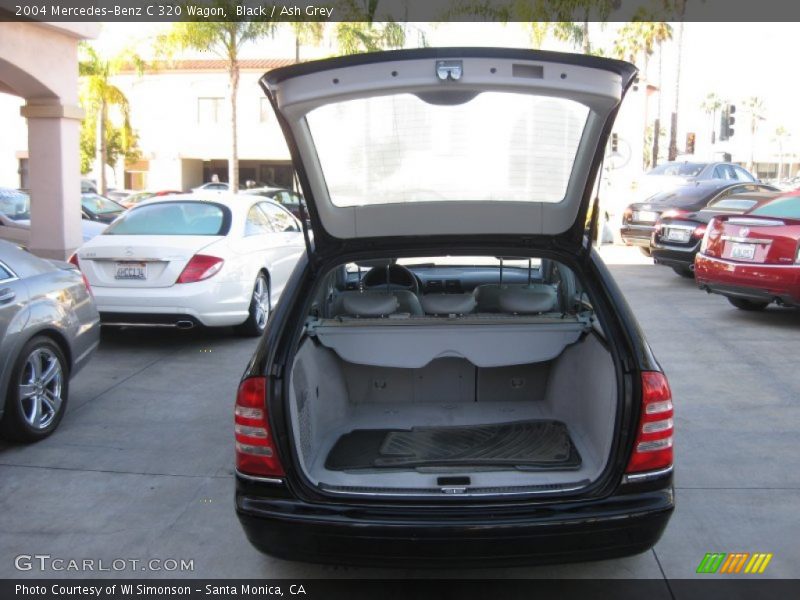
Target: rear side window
(788, 207)
(5, 274)
(732, 204)
(173, 218)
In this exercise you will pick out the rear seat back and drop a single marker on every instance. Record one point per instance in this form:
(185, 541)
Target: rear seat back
(366, 304)
(516, 299)
(531, 299)
(448, 304)
(373, 303)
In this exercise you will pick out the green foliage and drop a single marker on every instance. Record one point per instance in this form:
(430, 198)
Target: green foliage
(360, 29)
(121, 143)
(97, 95)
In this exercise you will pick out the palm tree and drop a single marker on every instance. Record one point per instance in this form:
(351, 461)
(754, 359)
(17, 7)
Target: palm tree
(225, 39)
(755, 106)
(710, 106)
(306, 32)
(781, 135)
(641, 37)
(98, 94)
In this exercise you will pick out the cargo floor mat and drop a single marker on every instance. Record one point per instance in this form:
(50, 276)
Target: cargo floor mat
(528, 445)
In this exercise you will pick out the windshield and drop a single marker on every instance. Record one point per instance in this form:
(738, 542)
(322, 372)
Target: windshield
(100, 205)
(678, 169)
(15, 205)
(786, 207)
(403, 148)
(173, 218)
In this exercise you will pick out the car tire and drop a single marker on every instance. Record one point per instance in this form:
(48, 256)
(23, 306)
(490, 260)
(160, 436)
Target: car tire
(37, 392)
(684, 272)
(645, 251)
(743, 304)
(260, 308)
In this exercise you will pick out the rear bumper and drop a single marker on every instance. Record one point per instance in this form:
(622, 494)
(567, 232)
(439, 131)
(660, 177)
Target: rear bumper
(674, 256)
(209, 303)
(636, 235)
(617, 526)
(760, 283)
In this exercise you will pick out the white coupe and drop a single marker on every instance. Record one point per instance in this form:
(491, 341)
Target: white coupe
(180, 261)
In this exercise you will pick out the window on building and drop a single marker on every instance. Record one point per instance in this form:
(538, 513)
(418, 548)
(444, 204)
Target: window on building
(209, 110)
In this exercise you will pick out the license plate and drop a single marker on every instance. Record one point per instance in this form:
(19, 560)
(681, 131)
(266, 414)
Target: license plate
(677, 235)
(746, 251)
(131, 270)
(646, 216)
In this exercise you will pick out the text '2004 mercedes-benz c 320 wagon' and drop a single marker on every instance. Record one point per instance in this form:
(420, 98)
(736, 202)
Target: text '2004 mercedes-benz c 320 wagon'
(451, 374)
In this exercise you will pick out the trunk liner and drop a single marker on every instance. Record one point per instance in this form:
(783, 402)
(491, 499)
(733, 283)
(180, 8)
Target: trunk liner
(529, 445)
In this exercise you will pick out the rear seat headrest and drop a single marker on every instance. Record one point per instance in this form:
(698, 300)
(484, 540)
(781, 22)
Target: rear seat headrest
(448, 304)
(367, 304)
(537, 298)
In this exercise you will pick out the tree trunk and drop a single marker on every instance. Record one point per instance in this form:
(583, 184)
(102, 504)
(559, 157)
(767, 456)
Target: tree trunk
(233, 160)
(587, 46)
(673, 134)
(656, 134)
(100, 148)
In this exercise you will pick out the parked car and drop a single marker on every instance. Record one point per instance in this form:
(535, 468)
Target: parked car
(669, 175)
(118, 195)
(138, 197)
(49, 329)
(222, 186)
(419, 397)
(88, 186)
(639, 219)
(99, 208)
(677, 235)
(753, 259)
(15, 219)
(182, 261)
(286, 198)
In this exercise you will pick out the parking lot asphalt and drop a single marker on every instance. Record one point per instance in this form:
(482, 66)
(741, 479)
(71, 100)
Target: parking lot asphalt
(142, 465)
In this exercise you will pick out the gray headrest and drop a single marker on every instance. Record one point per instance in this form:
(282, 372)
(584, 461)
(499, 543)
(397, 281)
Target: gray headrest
(448, 304)
(537, 298)
(369, 305)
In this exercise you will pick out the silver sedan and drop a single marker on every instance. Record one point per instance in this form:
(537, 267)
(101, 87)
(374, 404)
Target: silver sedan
(49, 329)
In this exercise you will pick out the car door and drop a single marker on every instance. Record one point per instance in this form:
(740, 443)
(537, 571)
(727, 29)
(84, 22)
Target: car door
(11, 231)
(13, 300)
(286, 229)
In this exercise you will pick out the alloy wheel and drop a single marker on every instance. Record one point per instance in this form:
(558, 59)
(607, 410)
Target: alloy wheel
(40, 388)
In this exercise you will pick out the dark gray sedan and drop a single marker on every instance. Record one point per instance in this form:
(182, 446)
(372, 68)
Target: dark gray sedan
(49, 329)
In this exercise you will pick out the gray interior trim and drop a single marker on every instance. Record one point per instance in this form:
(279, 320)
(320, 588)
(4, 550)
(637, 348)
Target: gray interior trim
(330, 397)
(484, 345)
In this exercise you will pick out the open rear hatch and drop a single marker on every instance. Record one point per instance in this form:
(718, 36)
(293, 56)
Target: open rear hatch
(451, 145)
(448, 141)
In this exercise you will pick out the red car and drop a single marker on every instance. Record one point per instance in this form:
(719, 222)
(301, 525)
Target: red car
(753, 259)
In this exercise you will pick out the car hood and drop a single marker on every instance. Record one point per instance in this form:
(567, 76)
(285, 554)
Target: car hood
(448, 141)
(89, 229)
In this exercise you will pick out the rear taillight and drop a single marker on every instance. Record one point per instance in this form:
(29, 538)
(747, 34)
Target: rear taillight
(653, 447)
(73, 260)
(628, 214)
(255, 452)
(674, 212)
(200, 267)
(699, 231)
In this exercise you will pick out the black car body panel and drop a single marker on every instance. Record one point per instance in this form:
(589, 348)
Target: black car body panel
(686, 198)
(615, 515)
(679, 254)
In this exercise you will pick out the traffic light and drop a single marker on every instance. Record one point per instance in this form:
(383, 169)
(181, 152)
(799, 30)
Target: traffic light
(690, 143)
(726, 123)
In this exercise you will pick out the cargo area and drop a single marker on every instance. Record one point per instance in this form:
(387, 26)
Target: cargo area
(475, 405)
